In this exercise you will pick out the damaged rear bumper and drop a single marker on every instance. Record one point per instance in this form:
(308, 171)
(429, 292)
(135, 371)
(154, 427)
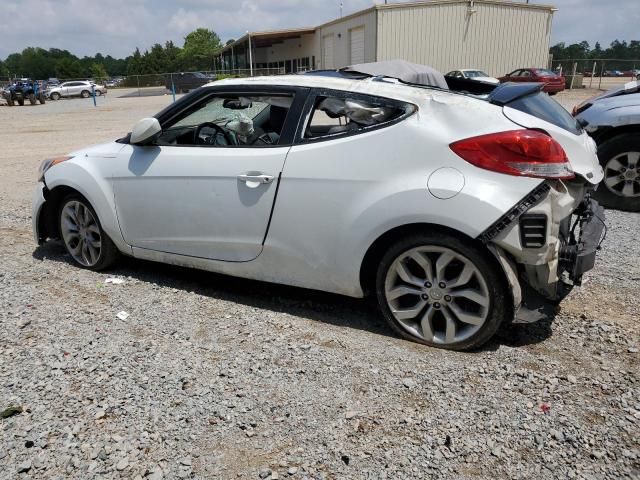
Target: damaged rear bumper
(545, 244)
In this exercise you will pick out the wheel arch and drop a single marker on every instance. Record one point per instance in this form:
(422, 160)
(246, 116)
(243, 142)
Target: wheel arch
(608, 133)
(378, 248)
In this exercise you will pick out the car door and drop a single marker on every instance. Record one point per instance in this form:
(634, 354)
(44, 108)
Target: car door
(210, 201)
(64, 89)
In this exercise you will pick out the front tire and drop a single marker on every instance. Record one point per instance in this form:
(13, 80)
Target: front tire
(55, 96)
(620, 160)
(32, 99)
(441, 291)
(83, 236)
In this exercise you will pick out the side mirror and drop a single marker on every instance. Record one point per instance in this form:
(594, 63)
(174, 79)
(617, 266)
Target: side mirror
(144, 131)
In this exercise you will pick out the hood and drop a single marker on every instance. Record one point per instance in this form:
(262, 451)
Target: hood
(580, 149)
(104, 150)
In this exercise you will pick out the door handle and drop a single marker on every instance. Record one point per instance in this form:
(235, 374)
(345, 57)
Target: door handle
(255, 180)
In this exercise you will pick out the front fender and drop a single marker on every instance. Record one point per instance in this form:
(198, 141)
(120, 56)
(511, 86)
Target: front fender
(87, 177)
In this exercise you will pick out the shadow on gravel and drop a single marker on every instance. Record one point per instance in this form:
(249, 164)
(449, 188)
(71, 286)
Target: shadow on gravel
(315, 305)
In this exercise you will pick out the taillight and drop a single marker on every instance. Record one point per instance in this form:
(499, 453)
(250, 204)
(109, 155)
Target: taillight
(526, 153)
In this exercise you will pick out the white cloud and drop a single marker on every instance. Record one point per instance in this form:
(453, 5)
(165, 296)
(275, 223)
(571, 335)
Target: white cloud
(119, 26)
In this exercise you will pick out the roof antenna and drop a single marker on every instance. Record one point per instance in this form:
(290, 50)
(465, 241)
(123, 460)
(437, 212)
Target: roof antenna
(340, 9)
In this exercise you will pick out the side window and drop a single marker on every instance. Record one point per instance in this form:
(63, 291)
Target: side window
(525, 73)
(336, 115)
(229, 120)
(515, 73)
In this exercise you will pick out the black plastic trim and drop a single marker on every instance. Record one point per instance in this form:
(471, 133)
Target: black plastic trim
(515, 212)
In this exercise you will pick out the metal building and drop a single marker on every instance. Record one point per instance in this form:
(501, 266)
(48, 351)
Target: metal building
(496, 36)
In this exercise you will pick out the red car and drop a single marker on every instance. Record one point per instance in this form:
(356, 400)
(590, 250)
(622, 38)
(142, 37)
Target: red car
(553, 83)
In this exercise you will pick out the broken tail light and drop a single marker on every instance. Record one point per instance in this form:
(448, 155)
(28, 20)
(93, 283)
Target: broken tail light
(525, 153)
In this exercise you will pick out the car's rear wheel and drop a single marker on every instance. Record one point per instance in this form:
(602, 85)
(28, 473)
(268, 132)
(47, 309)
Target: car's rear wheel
(620, 159)
(85, 94)
(55, 96)
(436, 289)
(83, 236)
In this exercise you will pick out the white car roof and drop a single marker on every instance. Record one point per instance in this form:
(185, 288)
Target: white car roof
(396, 91)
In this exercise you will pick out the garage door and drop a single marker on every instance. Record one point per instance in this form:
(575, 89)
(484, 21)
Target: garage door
(327, 49)
(357, 45)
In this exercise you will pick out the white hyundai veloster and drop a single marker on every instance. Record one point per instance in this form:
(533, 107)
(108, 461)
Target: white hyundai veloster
(456, 212)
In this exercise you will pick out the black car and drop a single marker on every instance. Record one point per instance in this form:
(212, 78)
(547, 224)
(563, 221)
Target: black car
(184, 82)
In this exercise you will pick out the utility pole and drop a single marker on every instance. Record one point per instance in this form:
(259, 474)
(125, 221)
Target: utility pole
(250, 57)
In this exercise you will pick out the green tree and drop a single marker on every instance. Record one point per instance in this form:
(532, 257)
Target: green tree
(199, 50)
(69, 68)
(98, 72)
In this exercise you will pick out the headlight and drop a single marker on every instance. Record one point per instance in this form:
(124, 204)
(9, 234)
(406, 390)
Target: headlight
(48, 163)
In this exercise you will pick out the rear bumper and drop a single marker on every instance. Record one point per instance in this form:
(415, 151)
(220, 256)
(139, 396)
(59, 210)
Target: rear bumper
(546, 243)
(553, 88)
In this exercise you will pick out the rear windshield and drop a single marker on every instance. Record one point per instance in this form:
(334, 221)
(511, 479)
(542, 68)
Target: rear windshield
(545, 73)
(543, 106)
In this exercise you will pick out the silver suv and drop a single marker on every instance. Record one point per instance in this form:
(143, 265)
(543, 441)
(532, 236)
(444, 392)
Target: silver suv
(79, 88)
(613, 120)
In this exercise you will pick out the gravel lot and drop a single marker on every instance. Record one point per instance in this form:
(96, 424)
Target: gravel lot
(214, 377)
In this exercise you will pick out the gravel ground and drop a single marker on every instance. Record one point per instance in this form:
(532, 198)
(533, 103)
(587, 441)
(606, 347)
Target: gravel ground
(215, 377)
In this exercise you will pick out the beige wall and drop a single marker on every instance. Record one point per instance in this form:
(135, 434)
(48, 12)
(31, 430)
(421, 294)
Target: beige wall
(496, 38)
(340, 30)
(287, 50)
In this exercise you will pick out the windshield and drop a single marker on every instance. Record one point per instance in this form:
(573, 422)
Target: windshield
(475, 73)
(214, 111)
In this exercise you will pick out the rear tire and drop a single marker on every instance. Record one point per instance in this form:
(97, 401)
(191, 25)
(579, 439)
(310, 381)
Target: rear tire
(620, 160)
(85, 94)
(21, 101)
(10, 101)
(82, 234)
(32, 99)
(42, 99)
(458, 304)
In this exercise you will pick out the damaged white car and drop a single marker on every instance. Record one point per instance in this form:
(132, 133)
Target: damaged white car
(456, 212)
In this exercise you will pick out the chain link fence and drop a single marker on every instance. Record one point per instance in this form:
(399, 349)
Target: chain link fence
(602, 74)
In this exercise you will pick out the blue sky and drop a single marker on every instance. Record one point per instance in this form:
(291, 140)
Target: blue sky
(117, 27)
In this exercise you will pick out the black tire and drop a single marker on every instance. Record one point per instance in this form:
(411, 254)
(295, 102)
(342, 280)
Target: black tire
(42, 99)
(55, 96)
(32, 99)
(21, 101)
(108, 251)
(85, 94)
(10, 101)
(628, 142)
(498, 309)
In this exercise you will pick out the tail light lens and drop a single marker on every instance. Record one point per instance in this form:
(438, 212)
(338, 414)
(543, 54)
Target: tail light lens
(525, 153)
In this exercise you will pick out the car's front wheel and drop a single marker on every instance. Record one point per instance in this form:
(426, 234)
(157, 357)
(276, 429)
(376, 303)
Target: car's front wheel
(620, 159)
(83, 236)
(55, 96)
(435, 289)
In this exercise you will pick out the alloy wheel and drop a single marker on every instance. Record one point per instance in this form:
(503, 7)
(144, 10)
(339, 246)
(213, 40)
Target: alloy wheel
(437, 294)
(622, 174)
(81, 233)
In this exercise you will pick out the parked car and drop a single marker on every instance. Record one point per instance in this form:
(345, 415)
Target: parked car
(553, 83)
(185, 82)
(80, 88)
(472, 74)
(453, 211)
(613, 120)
